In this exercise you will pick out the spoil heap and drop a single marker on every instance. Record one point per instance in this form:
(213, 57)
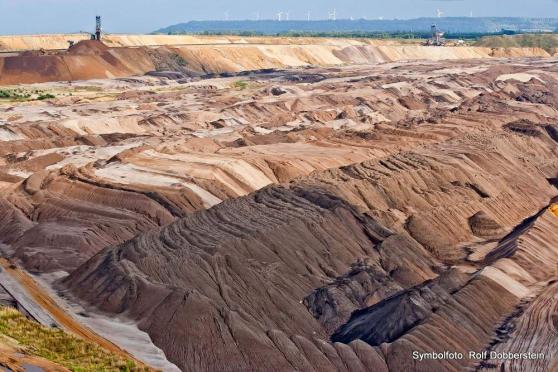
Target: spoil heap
(339, 225)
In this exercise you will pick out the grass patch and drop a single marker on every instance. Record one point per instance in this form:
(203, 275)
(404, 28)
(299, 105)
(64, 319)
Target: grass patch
(179, 60)
(59, 347)
(46, 96)
(20, 94)
(240, 84)
(15, 95)
(548, 42)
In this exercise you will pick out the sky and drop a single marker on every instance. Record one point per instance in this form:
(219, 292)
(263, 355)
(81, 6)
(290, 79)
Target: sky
(143, 16)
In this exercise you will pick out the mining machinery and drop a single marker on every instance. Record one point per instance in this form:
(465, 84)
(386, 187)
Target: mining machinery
(98, 29)
(437, 38)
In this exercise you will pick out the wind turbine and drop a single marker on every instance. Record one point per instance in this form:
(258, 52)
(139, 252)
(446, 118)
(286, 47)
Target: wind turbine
(308, 16)
(333, 15)
(286, 16)
(279, 16)
(439, 13)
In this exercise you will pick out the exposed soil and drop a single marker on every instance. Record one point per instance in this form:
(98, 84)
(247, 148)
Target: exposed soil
(313, 219)
(89, 59)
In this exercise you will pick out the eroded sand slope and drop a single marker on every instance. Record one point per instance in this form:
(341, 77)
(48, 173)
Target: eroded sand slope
(315, 219)
(90, 59)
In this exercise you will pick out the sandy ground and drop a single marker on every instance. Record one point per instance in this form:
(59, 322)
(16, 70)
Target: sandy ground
(35, 42)
(449, 156)
(95, 60)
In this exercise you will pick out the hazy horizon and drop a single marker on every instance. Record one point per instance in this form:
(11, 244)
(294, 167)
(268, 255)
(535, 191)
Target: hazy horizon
(143, 16)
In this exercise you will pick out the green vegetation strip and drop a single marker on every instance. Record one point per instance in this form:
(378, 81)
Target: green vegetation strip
(548, 42)
(405, 35)
(59, 347)
(240, 84)
(24, 95)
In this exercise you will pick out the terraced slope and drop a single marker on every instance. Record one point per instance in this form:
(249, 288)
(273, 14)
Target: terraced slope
(390, 237)
(307, 219)
(93, 60)
(82, 173)
(213, 264)
(60, 41)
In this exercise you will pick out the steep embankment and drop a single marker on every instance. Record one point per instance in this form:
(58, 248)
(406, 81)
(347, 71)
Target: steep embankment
(234, 58)
(405, 187)
(86, 60)
(199, 281)
(82, 64)
(36, 42)
(520, 321)
(60, 41)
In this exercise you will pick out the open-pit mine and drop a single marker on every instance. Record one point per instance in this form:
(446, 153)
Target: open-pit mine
(264, 204)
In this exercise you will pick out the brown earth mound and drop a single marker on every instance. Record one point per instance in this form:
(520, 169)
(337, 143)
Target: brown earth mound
(88, 47)
(293, 239)
(86, 60)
